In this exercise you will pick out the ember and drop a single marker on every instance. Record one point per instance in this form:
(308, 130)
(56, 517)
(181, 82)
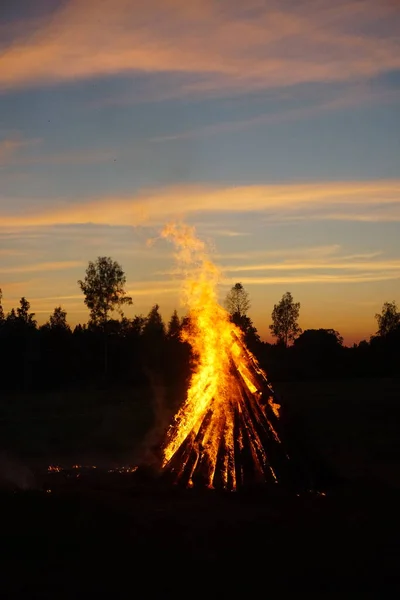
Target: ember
(125, 469)
(54, 469)
(227, 432)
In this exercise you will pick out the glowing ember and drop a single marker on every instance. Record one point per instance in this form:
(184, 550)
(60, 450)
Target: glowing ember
(125, 469)
(54, 469)
(225, 434)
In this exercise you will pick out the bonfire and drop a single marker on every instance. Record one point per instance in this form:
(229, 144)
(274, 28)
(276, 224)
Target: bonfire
(227, 432)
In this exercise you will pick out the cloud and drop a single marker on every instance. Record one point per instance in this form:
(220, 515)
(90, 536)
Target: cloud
(73, 157)
(318, 264)
(376, 200)
(388, 265)
(322, 278)
(225, 44)
(12, 252)
(353, 96)
(11, 146)
(227, 232)
(41, 267)
(297, 252)
(160, 289)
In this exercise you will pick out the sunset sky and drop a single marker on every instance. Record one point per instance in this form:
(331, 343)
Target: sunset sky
(273, 126)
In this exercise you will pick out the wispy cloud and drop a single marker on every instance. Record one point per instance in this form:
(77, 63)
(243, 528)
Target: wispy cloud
(71, 157)
(11, 252)
(11, 146)
(389, 265)
(316, 264)
(161, 289)
(293, 253)
(377, 200)
(272, 44)
(230, 233)
(322, 278)
(41, 267)
(353, 96)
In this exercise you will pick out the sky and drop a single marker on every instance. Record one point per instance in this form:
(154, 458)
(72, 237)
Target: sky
(272, 126)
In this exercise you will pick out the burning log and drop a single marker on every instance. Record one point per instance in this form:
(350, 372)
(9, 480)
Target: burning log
(228, 433)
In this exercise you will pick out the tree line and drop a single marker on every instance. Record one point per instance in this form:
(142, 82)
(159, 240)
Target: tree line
(143, 349)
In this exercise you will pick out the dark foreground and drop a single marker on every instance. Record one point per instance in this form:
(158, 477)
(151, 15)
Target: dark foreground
(142, 540)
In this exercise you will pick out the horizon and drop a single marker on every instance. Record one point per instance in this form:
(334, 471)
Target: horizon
(270, 127)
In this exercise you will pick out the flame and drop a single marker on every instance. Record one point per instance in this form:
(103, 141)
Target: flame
(275, 406)
(222, 415)
(54, 469)
(124, 469)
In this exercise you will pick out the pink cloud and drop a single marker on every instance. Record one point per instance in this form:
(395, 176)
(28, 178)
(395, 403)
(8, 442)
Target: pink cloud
(281, 44)
(374, 200)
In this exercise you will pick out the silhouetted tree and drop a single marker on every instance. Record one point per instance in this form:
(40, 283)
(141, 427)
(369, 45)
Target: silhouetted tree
(79, 329)
(137, 324)
(103, 288)
(174, 326)
(284, 320)
(22, 355)
(251, 336)
(388, 319)
(154, 328)
(58, 320)
(237, 300)
(24, 316)
(319, 340)
(11, 316)
(104, 292)
(2, 318)
(56, 346)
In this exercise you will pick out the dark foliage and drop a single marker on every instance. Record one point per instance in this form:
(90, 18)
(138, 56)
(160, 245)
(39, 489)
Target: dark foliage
(54, 357)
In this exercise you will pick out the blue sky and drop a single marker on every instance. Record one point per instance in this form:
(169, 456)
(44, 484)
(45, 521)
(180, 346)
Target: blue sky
(273, 127)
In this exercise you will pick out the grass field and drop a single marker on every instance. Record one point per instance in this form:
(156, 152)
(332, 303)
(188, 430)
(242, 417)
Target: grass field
(353, 424)
(150, 540)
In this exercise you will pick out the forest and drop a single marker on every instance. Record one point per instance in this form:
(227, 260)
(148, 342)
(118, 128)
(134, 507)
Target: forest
(114, 350)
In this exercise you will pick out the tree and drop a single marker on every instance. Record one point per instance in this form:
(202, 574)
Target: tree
(284, 320)
(237, 300)
(137, 325)
(103, 288)
(154, 329)
(174, 326)
(24, 316)
(388, 319)
(104, 292)
(11, 316)
(251, 336)
(237, 303)
(58, 320)
(319, 340)
(1, 308)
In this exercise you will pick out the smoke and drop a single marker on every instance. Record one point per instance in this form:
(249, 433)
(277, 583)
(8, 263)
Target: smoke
(14, 475)
(149, 453)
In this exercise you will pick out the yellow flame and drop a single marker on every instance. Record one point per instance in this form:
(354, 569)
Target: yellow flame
(275, 406)
(207, 417)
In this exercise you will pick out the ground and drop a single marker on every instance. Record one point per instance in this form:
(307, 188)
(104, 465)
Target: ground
(146, 542)
(140, 538)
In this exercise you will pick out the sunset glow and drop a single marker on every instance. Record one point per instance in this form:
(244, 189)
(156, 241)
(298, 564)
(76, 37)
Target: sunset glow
(270, 126)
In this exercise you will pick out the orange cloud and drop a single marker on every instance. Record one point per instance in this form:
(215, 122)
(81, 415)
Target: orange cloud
(323, 278)
(358, 200)
(11, 146)
(73, 157)
(388, 265)
(41, 267)
(219, 42)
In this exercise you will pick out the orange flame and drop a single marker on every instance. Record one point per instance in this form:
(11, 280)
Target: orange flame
(223, 367)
